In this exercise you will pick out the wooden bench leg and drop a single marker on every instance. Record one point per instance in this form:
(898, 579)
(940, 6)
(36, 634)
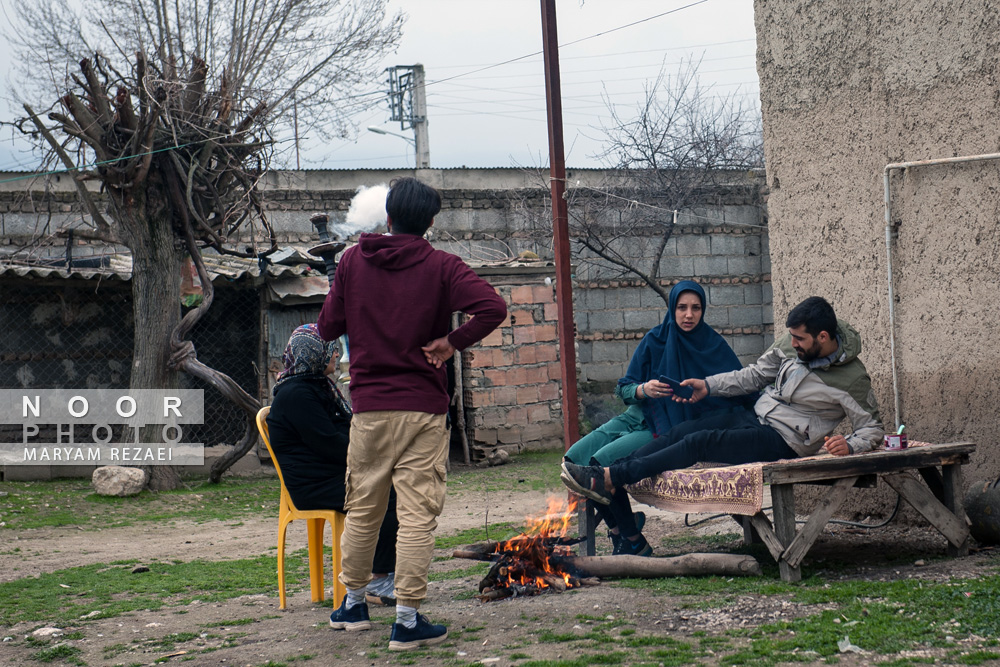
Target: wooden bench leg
(953, 501)
(939, 515)
(587, 521)
(750, 534)
(783, 500)
(805, 538)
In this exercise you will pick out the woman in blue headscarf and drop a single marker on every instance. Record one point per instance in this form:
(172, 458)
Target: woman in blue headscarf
(682, 347)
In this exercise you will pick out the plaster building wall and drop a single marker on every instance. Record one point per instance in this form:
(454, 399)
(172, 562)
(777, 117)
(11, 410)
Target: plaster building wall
(847, 87)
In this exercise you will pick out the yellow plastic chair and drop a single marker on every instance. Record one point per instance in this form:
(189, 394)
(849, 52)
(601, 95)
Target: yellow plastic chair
(316, 520)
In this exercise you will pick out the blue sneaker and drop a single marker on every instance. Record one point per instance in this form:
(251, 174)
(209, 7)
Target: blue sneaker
(638, 548)
(616, 538)
(422, 634)
(352, 620)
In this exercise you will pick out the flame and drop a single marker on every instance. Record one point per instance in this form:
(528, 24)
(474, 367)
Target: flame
(530, 550)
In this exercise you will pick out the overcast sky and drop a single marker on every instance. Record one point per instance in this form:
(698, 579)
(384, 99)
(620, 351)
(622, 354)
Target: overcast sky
(496, 117)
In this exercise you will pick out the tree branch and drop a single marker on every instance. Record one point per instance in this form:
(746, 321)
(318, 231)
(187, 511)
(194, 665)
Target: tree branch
(88, 201)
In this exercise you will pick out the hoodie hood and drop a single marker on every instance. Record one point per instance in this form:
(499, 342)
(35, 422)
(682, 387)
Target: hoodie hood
(395, 252)
(850, 343)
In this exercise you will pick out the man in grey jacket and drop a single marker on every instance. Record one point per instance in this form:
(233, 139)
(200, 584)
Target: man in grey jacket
(811, 380)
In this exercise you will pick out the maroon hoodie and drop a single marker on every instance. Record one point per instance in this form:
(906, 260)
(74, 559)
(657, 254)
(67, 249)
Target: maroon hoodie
(392, 295)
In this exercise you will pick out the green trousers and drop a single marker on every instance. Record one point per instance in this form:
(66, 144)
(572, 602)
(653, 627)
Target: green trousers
(615, 439)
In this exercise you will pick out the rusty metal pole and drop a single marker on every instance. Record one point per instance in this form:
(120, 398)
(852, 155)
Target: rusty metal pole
(560, 226)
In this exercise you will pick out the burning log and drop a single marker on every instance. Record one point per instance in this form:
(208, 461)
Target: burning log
(491, 550)
(475, 555)
(495, 594)
(728, 565)
(523, 565)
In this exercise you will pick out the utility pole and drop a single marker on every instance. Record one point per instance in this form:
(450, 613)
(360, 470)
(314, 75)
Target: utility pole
(560, 226)
(295, 117)
(423, 146)
(408, 105)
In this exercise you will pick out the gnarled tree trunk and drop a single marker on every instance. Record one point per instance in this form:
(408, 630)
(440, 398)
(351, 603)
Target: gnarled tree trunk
(145, 226)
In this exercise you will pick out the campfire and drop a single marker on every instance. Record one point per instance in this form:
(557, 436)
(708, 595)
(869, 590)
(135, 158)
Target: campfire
(541, 560)
(529, 563)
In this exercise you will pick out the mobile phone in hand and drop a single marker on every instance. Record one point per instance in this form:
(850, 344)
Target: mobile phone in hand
(675, 386)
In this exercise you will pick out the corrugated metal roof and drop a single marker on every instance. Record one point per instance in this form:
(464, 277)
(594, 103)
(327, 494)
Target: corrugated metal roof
(224, 267)
(229, 268)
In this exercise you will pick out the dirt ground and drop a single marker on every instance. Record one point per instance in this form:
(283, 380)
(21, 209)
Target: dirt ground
(487, 633)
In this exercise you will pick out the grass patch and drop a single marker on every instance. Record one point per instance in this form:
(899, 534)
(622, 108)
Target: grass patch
(477, 570)
(61, 652)
(882, 617)
(497, 531)
(112, 590)
(613, 658)
(527, 471)
(234, 622)
(73, 502)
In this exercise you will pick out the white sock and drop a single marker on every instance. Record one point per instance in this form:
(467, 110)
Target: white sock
(406, 616)
(355, 596)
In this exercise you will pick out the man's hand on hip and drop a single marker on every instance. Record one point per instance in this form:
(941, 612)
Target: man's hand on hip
(438, 351)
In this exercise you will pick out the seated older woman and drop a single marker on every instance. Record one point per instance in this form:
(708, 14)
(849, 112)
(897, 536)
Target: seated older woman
(309, 426)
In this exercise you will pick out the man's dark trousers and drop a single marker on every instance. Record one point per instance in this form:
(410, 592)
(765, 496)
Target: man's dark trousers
(732, 438)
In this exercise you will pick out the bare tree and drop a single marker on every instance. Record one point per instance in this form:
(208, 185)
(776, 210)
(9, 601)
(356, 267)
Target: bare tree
(307, 58)
(681, 146)
(176, 103)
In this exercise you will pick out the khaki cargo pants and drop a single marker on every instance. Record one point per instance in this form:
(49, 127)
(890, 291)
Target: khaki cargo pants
(407, 450)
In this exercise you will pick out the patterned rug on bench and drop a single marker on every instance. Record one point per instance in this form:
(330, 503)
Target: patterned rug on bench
(733, 489)
(737, 489)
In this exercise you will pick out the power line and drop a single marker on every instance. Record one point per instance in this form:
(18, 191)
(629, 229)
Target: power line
(622, 53)
(576, 41)
(627, 67)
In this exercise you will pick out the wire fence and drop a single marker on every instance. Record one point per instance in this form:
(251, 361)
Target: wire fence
(61, 334)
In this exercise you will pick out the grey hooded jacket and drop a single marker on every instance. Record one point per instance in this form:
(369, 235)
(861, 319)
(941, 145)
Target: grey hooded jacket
(805, 404)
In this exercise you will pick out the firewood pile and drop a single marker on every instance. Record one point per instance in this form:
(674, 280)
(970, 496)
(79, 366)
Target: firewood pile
(525, 565)
(541, 560)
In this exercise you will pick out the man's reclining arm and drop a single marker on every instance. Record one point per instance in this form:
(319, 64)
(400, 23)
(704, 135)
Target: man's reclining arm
(747, 380)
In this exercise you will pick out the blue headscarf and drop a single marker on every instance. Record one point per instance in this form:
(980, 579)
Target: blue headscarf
(669, 350)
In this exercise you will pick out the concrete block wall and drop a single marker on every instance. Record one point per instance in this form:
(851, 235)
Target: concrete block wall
(612, 315)
(724, 246)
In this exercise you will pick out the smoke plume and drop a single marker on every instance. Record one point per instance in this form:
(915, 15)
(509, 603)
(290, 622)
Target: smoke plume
(367, 211)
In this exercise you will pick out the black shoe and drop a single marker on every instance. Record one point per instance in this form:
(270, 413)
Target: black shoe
(352, 620)
(616, 538)
(422, 634)
(586, 480)
(638, 548)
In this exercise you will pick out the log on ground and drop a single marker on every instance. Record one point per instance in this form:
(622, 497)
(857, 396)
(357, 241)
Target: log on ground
(688, 565)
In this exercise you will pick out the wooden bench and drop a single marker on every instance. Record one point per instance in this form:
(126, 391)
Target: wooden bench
(938, 499)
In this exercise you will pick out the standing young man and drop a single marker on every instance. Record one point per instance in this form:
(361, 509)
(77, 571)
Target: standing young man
(394, 296)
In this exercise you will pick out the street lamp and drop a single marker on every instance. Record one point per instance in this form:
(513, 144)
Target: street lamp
(379, 130)
(422, 153)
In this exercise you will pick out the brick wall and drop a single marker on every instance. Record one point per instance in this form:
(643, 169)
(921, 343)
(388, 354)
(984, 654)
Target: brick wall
(512, 378)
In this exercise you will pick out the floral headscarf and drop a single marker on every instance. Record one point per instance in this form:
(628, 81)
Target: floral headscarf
(308, 355)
